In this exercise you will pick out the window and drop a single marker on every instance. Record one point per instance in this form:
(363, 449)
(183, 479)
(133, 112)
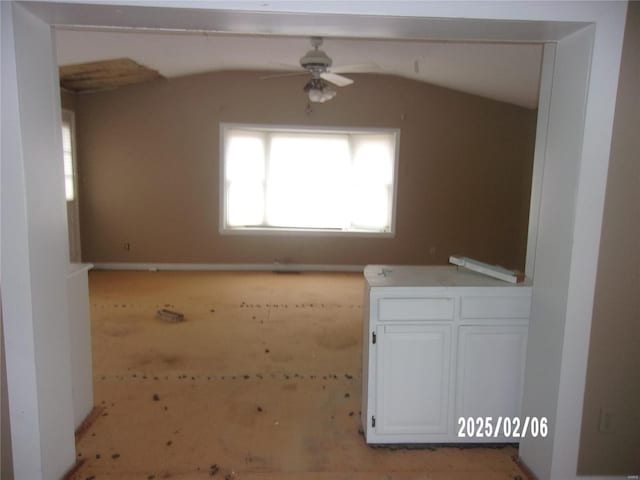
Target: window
(308, 180)
(67, 149)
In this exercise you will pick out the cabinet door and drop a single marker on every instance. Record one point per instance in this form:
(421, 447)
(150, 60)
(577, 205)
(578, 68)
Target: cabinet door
(490, 370)
(413, 379)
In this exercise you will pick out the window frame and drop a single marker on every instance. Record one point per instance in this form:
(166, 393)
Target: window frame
(317, 232)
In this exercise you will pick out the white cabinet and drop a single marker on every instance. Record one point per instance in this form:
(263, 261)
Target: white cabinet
(413, 378)
(80, 341)
(440, 344)
(490, 371)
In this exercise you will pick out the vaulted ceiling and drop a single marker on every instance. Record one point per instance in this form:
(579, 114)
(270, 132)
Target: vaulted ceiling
(507, 72)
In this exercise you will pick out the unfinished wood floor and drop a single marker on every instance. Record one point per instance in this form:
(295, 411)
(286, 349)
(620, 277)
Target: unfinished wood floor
(262, 380)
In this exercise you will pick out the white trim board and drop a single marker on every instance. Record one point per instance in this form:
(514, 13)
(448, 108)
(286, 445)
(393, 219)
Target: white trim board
(231, 267)
(540, 152)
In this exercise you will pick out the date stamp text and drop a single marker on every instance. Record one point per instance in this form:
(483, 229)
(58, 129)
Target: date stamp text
(501, 427)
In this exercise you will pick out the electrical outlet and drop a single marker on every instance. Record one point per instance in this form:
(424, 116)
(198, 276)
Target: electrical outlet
(607, 418)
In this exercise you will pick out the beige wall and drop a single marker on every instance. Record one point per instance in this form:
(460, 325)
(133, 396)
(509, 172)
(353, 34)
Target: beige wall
(148, 161)
(613, 375)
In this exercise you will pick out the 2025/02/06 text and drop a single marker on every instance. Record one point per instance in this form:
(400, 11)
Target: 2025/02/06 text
(499, 427)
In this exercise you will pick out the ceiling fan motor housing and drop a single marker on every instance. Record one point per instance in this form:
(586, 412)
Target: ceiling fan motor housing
(315, 59)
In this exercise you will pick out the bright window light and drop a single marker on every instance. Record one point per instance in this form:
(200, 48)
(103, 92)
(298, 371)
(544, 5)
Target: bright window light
(67, 151)
(304, 179)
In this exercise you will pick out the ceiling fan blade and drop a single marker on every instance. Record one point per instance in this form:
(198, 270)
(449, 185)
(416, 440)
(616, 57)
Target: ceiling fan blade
(285, 66)
(286, 70)
(357, 68)
(281, 75)
(336, 79)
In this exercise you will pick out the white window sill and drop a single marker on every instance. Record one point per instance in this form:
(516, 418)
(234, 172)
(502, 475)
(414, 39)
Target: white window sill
(302, 232)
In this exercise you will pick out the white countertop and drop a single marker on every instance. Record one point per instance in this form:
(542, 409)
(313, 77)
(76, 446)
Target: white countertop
(431, 276)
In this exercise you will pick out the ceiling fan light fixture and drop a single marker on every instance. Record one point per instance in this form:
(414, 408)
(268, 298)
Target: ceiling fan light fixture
(329, 92)
(321, 96)
(319, 91)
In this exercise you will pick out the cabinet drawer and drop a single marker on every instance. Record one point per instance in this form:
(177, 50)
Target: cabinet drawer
(415, 309)
(496, 307)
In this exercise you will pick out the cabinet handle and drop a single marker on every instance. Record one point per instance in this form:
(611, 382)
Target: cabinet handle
(373, 337)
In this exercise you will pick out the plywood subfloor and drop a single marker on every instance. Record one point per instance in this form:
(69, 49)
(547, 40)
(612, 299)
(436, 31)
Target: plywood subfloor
(262, 380)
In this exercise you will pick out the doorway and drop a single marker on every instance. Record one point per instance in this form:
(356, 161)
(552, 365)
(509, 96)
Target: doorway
(591, 163)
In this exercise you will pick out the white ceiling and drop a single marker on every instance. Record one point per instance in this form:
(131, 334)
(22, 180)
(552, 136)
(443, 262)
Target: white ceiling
(507, 72)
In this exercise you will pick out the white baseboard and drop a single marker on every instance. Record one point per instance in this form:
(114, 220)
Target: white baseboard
(242, 267)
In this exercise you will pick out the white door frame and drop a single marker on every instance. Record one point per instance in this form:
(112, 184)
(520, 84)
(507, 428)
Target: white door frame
(563, 291)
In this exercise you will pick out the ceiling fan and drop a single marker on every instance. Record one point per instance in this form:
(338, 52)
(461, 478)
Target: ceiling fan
(323, 78)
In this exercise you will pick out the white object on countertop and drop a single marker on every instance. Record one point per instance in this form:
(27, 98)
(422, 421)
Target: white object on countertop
(494, 271)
